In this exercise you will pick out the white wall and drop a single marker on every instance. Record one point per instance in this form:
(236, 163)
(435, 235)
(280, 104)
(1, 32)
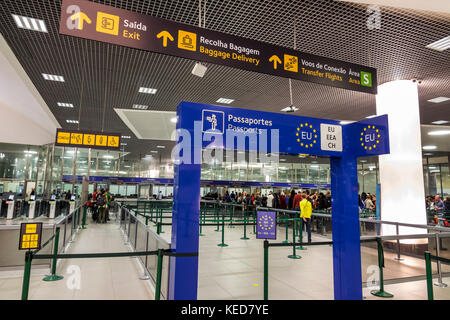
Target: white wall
(24, 116)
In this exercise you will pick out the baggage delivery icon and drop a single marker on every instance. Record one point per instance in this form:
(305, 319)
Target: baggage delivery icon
(187, 40)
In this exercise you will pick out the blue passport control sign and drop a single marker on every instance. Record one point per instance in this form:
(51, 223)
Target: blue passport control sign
(266, 227)
(200, 127)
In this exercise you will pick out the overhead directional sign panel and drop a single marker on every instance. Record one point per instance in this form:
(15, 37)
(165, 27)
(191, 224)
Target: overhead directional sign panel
(87, 139)
(94, 21)
(295, 134)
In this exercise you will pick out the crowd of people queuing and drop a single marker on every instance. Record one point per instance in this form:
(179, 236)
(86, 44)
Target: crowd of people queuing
(278, 200)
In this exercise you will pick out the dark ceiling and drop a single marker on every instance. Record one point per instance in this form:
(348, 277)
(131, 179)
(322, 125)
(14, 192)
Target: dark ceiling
(100, 76)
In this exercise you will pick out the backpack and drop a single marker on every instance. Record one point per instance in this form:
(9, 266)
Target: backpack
(101, 200)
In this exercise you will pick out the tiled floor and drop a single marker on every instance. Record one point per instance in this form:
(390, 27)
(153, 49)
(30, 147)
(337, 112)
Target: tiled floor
(233, 272)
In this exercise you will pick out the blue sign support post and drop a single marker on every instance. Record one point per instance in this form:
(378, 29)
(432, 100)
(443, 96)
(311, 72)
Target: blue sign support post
(222, 128)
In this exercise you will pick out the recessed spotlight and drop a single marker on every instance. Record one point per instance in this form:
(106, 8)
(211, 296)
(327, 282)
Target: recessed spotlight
(439, 99)
(440, 45)
(225, 100)
(147, 90)
(429, 147)
(140, 106)
(53, 77)
(64, 104)
(174, 120)
(72, 121)
(439, 122)
(30, 23)
(439, 133)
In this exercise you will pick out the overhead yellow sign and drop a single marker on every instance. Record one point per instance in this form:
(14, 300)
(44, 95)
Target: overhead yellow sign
(107, 23)
(63, 137)
(89, 139)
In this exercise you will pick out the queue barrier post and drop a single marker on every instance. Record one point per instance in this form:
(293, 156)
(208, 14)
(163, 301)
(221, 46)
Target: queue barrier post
(202, 220)
(223, 244)
(245, 225)
(429, 276)
(216, 214)
(83, 225)
(294, 253)
(54, 276)
(381, 293)
(254, 220)
(266, 270)
(287, 231)
(26, 275)
(159, 275)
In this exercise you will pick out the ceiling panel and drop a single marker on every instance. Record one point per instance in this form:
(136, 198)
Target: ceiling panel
(100, 76)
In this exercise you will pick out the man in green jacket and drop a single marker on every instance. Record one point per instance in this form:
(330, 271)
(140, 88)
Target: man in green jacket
(306, 213)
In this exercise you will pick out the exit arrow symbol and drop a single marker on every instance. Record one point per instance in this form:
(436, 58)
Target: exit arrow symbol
(165, 35)
(81, 18)
(275, 61)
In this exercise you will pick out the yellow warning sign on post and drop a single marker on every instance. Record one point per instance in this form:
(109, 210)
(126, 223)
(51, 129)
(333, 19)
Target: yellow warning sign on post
(63, 137)
(101, 140)
(76, 138)
(290, 63)
(113, 141)
(30, 236)
(187, 40)
(89, 139)
(107, 23)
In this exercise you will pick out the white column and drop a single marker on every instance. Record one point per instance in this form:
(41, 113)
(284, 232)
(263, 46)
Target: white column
(401, 172)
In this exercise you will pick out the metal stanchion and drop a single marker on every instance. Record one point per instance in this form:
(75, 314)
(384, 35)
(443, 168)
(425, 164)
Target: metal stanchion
(381, 293)
(26, 275)
(159, 275)
(145, 276)
(223, 244)
(398, 243)
(266, 270)
(54, 276)
(429, 273)
(439, 283)
(294, 254)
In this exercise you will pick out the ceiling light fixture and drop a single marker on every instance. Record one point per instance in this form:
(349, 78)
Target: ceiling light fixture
(108, 157)
(372, 116)
(224, 100)
(439, 132)
(429, 147)
(64, 104)
(344, 122)
(440, 45)
(30, 23)
(291, 108)
(439, 122)
(126, 137)
(53, 77)
(161, 147)
(140, 106)
(174, 120)
(72, 121)
(147, 90)
(439, 99)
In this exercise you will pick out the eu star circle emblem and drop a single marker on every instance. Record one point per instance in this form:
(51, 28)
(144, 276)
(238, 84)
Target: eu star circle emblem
(306, 135)
(370, 137)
